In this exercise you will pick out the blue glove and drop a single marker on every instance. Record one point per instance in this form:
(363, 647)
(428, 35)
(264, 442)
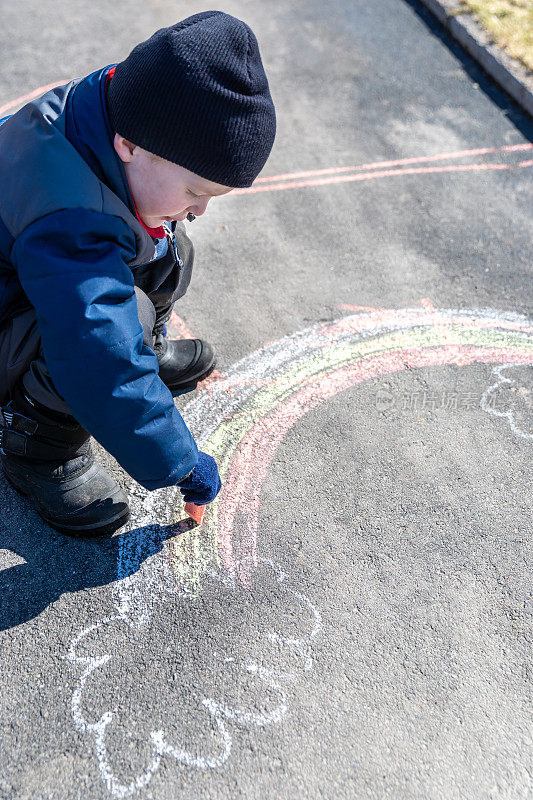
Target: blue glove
(202, 485)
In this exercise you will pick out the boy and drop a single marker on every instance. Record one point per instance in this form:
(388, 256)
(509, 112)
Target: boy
(95, 179)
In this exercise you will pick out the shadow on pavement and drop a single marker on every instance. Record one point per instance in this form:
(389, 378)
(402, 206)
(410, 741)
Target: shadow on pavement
(512, 110)
(56, 563)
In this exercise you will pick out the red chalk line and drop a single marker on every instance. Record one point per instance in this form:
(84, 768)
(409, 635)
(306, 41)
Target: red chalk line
(178, 329)
(368, 176)
(398, 162)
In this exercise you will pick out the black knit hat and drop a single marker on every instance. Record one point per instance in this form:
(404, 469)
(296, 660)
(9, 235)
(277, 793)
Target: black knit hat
(196, 94)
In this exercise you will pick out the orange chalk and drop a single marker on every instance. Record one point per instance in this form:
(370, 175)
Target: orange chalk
(195, 512)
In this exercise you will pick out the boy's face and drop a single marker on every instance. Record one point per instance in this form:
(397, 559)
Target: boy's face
(163, 190)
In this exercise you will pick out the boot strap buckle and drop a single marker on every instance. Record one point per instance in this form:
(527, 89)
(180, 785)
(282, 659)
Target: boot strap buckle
(17, 422)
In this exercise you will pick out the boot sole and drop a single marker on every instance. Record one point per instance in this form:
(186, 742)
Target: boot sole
(87, 531)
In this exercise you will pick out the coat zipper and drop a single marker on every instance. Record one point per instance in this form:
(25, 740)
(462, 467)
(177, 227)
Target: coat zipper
(173, 244)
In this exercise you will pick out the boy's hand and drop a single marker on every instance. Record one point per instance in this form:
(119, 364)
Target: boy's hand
(203, 484)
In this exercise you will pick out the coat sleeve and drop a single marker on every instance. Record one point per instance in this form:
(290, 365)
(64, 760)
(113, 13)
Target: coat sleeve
(73, 266)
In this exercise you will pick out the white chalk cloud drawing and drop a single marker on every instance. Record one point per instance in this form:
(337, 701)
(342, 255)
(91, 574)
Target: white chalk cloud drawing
(511, 397)
(264, 637)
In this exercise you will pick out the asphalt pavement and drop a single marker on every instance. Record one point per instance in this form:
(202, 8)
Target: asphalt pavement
(351, 619)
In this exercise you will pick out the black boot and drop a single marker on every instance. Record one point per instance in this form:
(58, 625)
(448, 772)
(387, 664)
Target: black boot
(183, 362)
(47, 457)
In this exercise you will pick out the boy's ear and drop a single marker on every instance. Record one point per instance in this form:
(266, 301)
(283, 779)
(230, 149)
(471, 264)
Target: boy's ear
(123, 147)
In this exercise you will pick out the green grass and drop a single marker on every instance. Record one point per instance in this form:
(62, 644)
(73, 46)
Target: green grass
(509, 23)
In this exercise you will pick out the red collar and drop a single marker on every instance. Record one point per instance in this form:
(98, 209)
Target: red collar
(159, 232)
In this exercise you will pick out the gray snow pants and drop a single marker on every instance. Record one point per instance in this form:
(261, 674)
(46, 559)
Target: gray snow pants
(21, 354)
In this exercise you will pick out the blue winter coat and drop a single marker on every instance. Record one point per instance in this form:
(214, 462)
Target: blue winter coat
(69, 240)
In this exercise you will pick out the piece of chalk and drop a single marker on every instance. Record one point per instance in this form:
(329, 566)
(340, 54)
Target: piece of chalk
(195, 512)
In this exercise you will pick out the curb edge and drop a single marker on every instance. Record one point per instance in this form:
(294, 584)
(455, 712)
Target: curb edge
(506, 71)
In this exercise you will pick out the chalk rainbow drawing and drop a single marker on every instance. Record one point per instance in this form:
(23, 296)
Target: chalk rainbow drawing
(241, 418)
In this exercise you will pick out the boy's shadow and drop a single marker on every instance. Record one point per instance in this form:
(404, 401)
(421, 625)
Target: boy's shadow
(56, 563)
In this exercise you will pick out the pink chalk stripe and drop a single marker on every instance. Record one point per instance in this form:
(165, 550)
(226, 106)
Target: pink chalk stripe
(178, 329)
(368, 176)
(398, 162)
(426, 303)
(347, 307)
(399, 318)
